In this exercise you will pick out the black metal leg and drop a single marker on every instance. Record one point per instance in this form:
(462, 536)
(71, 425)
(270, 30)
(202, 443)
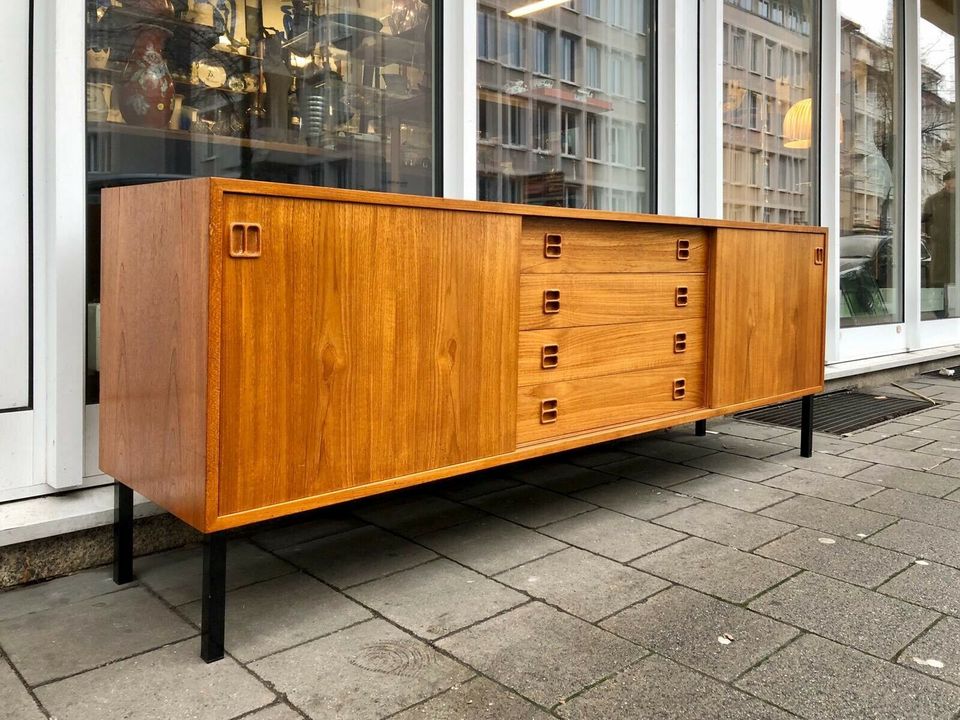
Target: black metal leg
(700, 428)
(122, 534)
(214, 597)
(806, 426)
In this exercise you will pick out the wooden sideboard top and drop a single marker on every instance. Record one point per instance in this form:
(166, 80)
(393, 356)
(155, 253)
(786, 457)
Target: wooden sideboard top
(256, 187)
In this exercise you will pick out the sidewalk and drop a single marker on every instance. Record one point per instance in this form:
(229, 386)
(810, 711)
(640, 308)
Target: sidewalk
(666, 576)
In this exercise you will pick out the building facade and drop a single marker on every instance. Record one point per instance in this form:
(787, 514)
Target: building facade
(840, 113)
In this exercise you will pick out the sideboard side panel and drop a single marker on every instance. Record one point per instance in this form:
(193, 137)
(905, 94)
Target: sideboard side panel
(766, 317)
(153, 358)
(365, 343)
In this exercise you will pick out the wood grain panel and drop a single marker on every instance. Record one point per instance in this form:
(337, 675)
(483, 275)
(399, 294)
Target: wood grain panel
(610, 247)
(606, 299)
(592, 403)
(365, 343)
(607, 349)
(153, 343)
(768, 316)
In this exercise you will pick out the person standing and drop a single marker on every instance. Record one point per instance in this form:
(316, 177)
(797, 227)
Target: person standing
(938, 223)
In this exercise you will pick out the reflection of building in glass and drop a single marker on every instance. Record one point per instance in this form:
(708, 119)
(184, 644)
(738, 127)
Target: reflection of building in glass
(937, 130)
(866, 105)
(563, 102)
(766, 55)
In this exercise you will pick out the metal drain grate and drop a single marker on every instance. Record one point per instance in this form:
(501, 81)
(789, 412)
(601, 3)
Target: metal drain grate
(839, 413)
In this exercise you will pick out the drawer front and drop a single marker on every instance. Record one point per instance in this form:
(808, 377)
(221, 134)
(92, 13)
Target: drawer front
(556, 301)
(595, 246)
(580, 352)
(562, 408)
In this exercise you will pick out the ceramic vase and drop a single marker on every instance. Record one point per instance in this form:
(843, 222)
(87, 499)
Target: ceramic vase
(146, 88)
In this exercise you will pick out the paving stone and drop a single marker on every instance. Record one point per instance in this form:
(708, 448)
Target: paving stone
(895, 458)
(357, 556)
(530, 506)
(740, 467)
(558, 476)
(685, 626)
(477, 699)
(593, 455)
(745, 429)
(17, 703)
(715, 569)
(666, 450)
(283, 535)
(893, 428)
(946, 395)
(280, 613)
(951, 468)
(949, 424)
(824, 444)
(490, 545)
(465, 487)
(275, 712)
(821, 680)
(863, 619)
(541, 653)
(748, 447)
(933, 586)
(172, 682)
(612, 535)
(364, 672)
(821, 462)
(911, 506)
(635, 499)
(583, 584)
(56, 593)
(936, 447)
(909, 480)
(739, 494)
(412, 516)
(71, 638)
(652, 471)
(176, 576)
(436, 599)
(920, 540)
(825, 487)
(919, 419)
(905, 442)
(865, 437)
(941, 645)
(940, 412)
(811, 512)
(935, 432)
(843, 559)
(659, 689)
(726, 525)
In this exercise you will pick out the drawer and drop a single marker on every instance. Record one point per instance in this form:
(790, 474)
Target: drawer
(595, 246)
(563, 408)
(579, 352)
(556, 301)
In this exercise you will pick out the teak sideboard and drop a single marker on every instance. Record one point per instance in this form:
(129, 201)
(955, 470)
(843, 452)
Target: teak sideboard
(268, 349)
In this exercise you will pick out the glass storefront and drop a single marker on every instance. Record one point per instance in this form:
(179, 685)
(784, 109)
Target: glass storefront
(769, 108)
(938, 160)
(565, 103)
(321, 92)
(871, 174)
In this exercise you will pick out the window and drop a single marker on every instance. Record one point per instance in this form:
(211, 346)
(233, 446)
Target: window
(486, 35)
(771, 52)
(568, 118)
(542, 50)
(542, 116)
(569, 132)
(594, 61)
(753, 110)
(568, 58)
(512, 43)
(756, 54)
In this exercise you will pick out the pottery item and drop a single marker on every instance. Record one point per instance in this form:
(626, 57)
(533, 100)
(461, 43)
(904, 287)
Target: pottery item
(98, 100)
(146, 88)
(97, 58)
(201, 12)
(177, 114)
(405, 15)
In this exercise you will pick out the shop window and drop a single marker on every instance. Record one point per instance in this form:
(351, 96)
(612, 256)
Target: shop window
(336, 93)
(589, 137)
(769, 106)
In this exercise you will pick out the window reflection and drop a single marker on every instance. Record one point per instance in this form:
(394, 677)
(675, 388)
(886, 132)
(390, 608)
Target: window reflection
(768, 110)
(871, 245)
(563, 104)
